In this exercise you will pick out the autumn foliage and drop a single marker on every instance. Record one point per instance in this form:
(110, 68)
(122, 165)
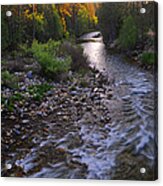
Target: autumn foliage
(44, 22)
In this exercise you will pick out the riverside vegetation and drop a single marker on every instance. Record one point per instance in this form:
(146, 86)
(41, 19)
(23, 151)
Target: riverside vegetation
(64, 95)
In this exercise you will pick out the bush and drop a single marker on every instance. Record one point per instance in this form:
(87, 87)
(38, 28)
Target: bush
(38, 91)
(128, 33)
(9, 80)
(51, 63)
(79, 61)
(148, 58)
(3, 64)
(24, 50)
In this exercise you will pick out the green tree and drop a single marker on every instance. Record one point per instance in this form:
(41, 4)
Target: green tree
(4, 30)
(109, 15)
(53, 27)
(82, 22)
(128, 33)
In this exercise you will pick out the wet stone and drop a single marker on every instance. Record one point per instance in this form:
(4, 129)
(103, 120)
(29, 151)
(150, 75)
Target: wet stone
(17, 126)
(8, 166)
(74, 93)
(110, 95)
(65, 118)
(25, 121)
(12, 117)
(23, 88)
(89, 108)
(17, 132)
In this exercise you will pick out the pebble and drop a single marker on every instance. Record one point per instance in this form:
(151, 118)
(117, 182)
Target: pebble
(50, 93)
(73, 93)
(110, 95)
(16, 131)
(12, 117)
(8, 166)
(29, 75)
(39, 113)
(95, 89)
(8, 133)
(17, 126)
(102, 119)
(25, 121)
(23, 88)
(89, 108)
(65, 118)
(59, 113)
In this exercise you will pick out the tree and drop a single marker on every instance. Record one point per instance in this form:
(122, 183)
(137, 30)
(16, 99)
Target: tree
(109, 15)
(82, 22)
(128, 33)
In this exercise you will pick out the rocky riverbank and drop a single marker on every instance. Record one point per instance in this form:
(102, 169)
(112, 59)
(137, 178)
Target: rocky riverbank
(61, 108)
(144, 54)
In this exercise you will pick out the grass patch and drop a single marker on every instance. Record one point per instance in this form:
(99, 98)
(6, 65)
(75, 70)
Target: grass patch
(9, 103)
(38, 91)
(9, 80)
(148, 58)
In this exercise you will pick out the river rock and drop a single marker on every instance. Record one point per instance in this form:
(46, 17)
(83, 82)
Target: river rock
(25, 121)
(50, 93)
(110, 94)
(8, 166)
(23, 88)
(73, 93)
(65, 118)
(12, 117)
(89, 108)
(17, 132)
(17, 126)
(30, 75)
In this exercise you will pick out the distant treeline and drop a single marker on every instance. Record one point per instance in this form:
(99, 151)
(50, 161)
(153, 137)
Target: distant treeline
(117, 21)
(125, 23)
(44, 22)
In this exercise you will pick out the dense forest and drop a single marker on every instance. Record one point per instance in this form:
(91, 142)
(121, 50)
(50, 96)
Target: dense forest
(44, 22)
(54, 100)
(122, 25)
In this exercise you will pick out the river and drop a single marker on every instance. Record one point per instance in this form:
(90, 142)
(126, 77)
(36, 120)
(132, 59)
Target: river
(118, 149)
(132, 142)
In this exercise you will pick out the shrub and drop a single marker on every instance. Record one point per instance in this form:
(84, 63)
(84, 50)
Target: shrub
(148, 58)
(24, 50)
(51, 63)
(38, 91)
(79, 61)
(3, 64)
(128, 33)
(9, 80)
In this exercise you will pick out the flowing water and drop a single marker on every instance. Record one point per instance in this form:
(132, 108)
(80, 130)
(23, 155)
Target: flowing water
(132, 143)
(117, 150)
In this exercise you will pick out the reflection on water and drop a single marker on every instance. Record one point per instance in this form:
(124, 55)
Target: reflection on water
(96, 54)
(131, 142)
